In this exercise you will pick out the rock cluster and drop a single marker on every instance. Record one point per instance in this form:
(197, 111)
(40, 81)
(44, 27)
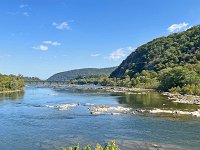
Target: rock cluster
(113, 110)
(117, 110)
(63, 106)
(179, 98)
(178, 112)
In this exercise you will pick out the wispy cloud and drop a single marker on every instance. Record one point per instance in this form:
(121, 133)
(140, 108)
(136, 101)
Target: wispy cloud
(46, 44)
(23, 5)
(178, 27)
(52, 43)
(41, 47)
(61, 26)
(117, 54)
(24, 8)
(120, 53)
(95, 55)
(26, 14)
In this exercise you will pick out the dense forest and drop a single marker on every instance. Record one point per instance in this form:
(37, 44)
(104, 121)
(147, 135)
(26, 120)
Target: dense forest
(72, 74)
(169, 63)
(11, 83)
(177, 49)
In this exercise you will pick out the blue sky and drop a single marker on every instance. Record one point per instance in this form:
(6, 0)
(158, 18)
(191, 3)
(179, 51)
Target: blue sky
(43, 37)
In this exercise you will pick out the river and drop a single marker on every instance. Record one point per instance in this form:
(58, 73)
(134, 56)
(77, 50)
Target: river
(27, 123)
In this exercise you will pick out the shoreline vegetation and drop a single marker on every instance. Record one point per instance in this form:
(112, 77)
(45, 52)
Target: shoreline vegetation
(109, 146)
(11, 91)
(11, 83)
(125, 144)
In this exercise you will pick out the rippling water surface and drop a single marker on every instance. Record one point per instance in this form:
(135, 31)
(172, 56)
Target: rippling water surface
(26, 122)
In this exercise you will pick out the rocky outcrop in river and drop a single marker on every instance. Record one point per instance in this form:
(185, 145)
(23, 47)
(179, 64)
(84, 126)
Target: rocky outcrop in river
(110, 110)
(119, 110)
(62, 106)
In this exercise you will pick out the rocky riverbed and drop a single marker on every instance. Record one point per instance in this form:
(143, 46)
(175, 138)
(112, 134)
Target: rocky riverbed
(179, 98)
(116, 89)
(176, 112)
(119, 110)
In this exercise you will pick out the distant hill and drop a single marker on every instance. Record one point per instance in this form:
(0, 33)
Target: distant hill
(26, 79)
(176, 49)
(72, 74)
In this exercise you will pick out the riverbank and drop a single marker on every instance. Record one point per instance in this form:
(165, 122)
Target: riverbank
(179, 98)
(11, 91)
(114, 89)
(126, 90)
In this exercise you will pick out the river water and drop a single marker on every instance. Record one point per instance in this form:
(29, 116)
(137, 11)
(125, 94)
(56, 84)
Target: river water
(27, 123)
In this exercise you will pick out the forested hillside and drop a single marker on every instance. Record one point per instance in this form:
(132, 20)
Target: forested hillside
(176, 49)
(169, 63)
(72, 74)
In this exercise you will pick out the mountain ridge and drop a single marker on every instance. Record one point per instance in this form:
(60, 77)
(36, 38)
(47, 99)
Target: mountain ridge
(170, 51)
(72, 74)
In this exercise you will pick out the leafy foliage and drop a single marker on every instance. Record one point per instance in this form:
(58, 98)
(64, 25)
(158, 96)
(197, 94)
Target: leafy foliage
(171, 51)
(169, 63)
(182, 79)
(110, 146)
(145, 79)
(11, 82)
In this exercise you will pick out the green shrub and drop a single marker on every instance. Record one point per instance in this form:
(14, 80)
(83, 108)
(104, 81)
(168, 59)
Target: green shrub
(110, 146)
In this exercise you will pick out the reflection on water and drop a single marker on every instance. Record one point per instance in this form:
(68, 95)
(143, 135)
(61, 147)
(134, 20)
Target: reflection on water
(12, 96)
(151, 100)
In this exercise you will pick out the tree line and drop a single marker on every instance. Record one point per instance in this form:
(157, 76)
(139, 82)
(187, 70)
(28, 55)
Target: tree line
(183, 79)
